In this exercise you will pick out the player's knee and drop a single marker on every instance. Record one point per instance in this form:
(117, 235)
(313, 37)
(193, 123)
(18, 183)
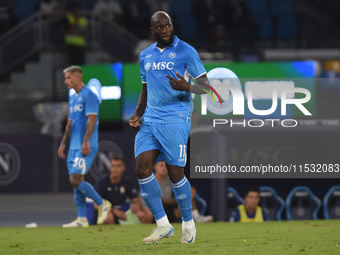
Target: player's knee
(74, 184)
(176, 174)
(143, 172)
(75, 180)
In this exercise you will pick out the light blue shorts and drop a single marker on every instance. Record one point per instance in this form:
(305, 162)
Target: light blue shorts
(170, 139)
(77, 163)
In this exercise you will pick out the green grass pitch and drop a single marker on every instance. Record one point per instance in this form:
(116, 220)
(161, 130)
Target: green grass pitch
(294, 237)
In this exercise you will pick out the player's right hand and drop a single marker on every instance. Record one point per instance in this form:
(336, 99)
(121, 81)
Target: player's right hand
(61, 150)
(134, 122)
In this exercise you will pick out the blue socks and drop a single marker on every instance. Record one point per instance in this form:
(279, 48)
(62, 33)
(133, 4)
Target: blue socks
(182, 191)
(88, 190)
(151, 193)
(80, 201)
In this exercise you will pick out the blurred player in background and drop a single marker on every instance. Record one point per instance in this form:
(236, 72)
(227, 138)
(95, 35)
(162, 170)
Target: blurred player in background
(165, 105)
(82, 129)
(250, 211)
(116, 188)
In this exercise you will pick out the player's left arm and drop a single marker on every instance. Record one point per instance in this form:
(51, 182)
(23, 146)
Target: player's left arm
(195, 69)
(182, 85)
(91, 123)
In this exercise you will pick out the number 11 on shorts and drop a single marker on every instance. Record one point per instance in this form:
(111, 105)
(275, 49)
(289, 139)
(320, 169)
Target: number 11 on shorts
(182, 152)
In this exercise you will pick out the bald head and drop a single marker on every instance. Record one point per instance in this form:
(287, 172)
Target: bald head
(162, 29)
(158, 16)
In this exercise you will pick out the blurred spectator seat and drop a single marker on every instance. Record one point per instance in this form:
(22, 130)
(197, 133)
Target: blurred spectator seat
(288, 27)
(234, 200)
(331, 203)
(24, 8)
(281, 7)
(258, 7)
(301, 204)
(271, 203)
(201, 204)
(265, 29)
(287, 24)
(181, 13)
(262, 16)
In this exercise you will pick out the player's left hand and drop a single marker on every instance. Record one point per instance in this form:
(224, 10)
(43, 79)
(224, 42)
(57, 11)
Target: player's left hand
(180, 85)
(85, 148)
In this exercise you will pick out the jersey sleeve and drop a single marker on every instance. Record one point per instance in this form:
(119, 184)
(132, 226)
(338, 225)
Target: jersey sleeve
(70, 112)
(141, 68)
(92, 104)
(235, 216)
(194, 64)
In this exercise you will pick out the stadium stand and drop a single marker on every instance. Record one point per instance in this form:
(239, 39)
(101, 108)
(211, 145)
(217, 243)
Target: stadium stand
(201, 204)
(301, 204)
(271, 203)
(234, 200)
(331, 203)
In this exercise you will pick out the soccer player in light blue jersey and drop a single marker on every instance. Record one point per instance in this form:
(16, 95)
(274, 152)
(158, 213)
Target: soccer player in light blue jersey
(82, 128)
(166, 67)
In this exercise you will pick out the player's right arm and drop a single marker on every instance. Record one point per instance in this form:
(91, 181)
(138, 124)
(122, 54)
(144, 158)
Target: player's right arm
(66, 138)
(143, 97)
(140, 109)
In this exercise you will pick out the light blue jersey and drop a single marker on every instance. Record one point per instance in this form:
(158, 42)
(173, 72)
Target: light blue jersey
(164, 104)
(81, 105)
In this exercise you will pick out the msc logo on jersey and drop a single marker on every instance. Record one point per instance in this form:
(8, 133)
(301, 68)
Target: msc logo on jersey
(163, 65)
(76, 108)
(172, 55)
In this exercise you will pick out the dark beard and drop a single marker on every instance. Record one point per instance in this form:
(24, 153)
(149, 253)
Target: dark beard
(161, 44)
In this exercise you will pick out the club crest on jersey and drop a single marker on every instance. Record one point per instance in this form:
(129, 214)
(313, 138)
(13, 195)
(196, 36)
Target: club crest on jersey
(172, 55)
(147, 66)
(122, 189)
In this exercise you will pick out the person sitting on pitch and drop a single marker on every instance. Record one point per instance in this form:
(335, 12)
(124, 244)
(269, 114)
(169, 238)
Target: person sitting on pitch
(250, 211)
(116, 188)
